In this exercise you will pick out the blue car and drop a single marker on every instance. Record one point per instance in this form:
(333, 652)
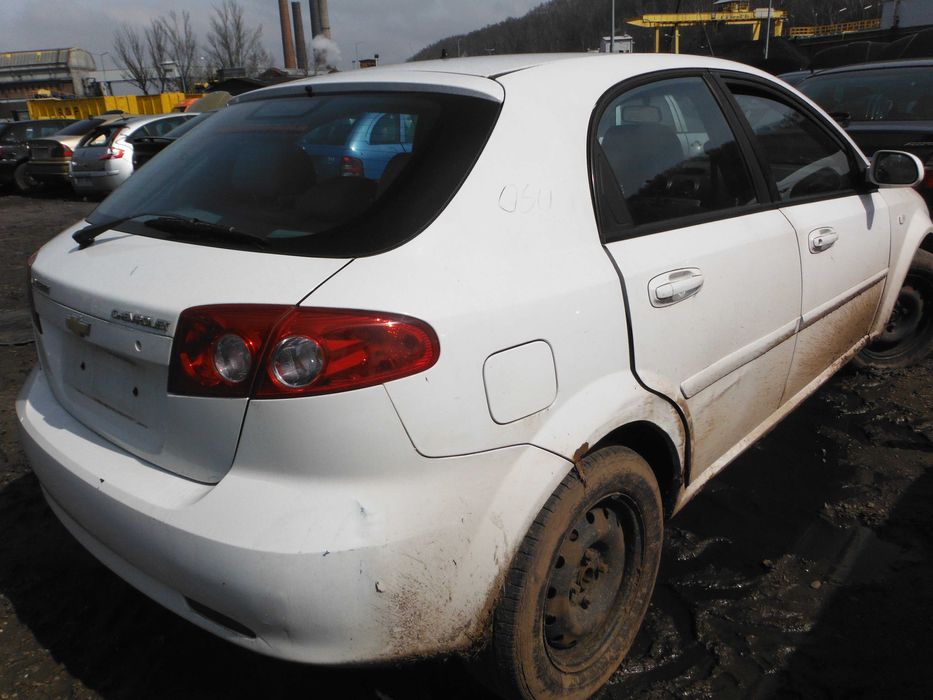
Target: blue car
(359, 145)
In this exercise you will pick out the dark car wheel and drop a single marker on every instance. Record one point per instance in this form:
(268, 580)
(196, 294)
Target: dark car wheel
(581, 581)
(24, 182)
(908, 336)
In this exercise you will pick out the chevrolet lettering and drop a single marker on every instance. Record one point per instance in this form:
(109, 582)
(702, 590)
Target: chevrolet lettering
(156, 324)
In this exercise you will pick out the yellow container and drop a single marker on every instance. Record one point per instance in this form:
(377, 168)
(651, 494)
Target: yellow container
(158, 104)
(93, 106)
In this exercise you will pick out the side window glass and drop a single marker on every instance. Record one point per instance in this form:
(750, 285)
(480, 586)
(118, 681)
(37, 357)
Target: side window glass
(385, 130)
(672, 153)
(163, 126)
(804, 160)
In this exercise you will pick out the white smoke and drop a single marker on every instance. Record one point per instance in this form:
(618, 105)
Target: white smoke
(326, 53)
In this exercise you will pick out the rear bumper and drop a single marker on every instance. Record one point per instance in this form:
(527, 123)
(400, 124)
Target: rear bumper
(49, 171)
(102, 181)
(351, 562)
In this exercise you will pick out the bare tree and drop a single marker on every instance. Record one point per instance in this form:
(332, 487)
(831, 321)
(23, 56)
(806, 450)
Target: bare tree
(232, 43)
(130, 48)
(158, 44)
(183, 48)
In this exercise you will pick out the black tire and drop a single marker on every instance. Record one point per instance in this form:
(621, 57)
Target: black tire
(908, 338)
(23, 181)
(581, 581)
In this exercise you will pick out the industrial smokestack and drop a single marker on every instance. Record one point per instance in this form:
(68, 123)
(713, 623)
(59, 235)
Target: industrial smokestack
(300, 44)
(325, 18)
(315, 18)
(288, 42)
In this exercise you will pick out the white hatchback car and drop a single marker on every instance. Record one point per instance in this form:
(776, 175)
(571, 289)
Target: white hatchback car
(344, 420)
(103, 160)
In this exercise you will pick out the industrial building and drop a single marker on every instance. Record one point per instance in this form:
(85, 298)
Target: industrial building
(48, 72)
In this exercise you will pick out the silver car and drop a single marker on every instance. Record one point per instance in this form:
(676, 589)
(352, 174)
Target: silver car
(103, 159)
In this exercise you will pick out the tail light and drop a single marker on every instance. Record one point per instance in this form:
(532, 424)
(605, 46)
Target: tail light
(268, 352)
(111, 154)
(66, 152)
(351, 167)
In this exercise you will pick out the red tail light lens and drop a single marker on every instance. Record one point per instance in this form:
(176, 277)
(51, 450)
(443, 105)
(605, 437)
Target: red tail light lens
(351, 167)
(285, 351)
(67, 152)
(111, 154)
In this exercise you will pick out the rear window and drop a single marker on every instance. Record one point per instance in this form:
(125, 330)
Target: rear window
(101, 136)
(902, 94)
(18, 133)
(283, 169)
(81, 127)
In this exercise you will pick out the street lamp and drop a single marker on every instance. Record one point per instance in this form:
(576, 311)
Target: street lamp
(356, 52)
(103, 69)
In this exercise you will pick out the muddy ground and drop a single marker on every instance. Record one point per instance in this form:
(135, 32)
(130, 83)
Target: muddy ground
(804, 570)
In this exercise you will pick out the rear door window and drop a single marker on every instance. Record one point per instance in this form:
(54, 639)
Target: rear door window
(671, 154)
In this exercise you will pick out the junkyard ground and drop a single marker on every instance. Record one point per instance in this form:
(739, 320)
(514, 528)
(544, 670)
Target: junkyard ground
(805, 570)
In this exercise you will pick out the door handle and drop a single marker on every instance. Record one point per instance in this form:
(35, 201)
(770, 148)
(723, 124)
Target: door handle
(674, 286)
(822, 239)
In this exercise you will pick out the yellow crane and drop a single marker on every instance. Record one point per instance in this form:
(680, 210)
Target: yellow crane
(731, 12)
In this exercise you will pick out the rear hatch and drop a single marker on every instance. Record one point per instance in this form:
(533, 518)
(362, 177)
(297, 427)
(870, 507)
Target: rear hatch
(108, 314)
(48, 149)
(94, 153)
(235, 214)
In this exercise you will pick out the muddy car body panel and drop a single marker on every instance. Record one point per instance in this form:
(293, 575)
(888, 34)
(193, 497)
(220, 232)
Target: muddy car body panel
(553, 302)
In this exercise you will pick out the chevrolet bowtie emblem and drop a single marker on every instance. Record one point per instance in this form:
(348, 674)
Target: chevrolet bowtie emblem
(80, 328)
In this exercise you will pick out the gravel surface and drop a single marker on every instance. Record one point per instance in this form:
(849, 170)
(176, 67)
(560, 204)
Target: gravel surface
(802, 571)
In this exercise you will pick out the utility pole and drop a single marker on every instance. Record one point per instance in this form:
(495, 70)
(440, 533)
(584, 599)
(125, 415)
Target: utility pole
(612, 33)
(768, 30)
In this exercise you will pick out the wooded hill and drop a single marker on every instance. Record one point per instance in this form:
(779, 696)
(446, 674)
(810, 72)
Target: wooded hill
(578, 25)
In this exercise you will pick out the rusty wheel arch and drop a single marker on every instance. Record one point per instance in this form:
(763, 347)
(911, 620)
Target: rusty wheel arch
(656, 448)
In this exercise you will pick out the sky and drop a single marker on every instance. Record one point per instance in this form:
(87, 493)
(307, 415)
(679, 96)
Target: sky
(395, 29)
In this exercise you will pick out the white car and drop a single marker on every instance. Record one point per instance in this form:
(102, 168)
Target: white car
(103, 160)
(339, 420)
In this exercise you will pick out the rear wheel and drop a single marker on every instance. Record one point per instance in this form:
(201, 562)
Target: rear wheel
(581, 581)
(908, 336)
(24, 182)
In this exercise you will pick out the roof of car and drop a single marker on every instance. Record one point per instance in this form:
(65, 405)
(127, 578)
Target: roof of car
(467, 75)
(878, 65)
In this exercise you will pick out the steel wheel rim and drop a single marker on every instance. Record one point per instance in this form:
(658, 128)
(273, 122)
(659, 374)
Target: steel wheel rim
(907, 326)
(592, 576)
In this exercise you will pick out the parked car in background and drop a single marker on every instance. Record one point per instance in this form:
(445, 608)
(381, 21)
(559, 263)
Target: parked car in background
(14, 149)
(882, 105)
(360, 144)
(339, 419)
(103, 159)
(50, 157)
(795, 77)
(145, 147)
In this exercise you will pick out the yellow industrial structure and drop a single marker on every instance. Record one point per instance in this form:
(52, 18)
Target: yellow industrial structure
(833, 29)
(728, 12)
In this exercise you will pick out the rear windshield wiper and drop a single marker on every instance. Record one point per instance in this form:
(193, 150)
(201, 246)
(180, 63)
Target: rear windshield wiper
(86, 236)
(195, 229)
(179, 226)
